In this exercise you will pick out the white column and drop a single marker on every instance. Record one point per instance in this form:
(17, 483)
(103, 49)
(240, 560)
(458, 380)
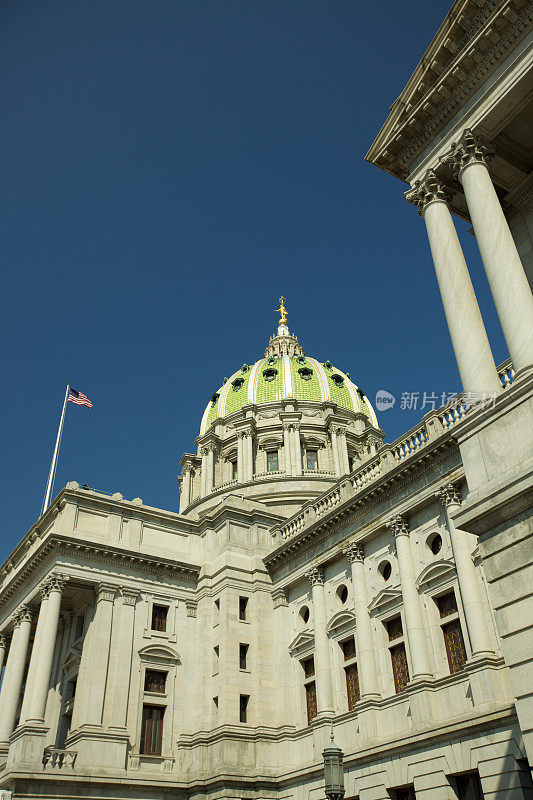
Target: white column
(296, 450)
(210, 480)
(249, 455)
(322, 660)
(3, 648)
(14, 673)
(475, 615)
(416, 635)
(118, 684)
(287, 449)
(185, 497)
(507, 280)
(282, 628)
(240, 457)
(368, 677)
(88, 708)
(465, 324)
(42, 656)
(343, 451)
(203, 476)
(335, 451)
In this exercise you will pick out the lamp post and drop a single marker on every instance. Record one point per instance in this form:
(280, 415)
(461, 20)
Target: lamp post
(333, 772)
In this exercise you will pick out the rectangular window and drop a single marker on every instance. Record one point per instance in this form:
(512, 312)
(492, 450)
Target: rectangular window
(400, 670)
(348, 648)
(311, 459)
(243, 653)
(243, 607)
(233, 470)
(215, 659)
(152, 730)
(159, 618)
(155, 681)
(272, 461)
(310, 699)
(71, 689)
(455, 645)
(394, 628)
(352, 685)
(243, 707)
(309, 667)
(447, 604)
(468, 787)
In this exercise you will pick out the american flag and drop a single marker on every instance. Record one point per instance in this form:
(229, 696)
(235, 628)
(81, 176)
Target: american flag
(79, 398)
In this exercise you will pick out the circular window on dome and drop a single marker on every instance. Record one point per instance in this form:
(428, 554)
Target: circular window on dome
(342, 593)
(245, 368)
(338, 379)
(270, 374)
(300, 359)
(328, 365)
(271, 360)
(385, 570)
(305, 373)
(237, 383)
(304, 614)
(215, 397)
(434, 542)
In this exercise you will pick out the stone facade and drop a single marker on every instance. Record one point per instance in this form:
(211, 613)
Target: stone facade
(313, 572)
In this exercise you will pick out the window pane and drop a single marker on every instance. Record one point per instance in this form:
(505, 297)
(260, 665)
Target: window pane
(243, 606)
(159, 618)
(400, 670)
(447, 604)
(394, 628)
(155, 681)
(243, 707)
(352, 685)
(309, 667)
(348, 648)
(243, 652)
(311, 457)
(310, 696)
(152, 730)
(272, 461)
(455, 646)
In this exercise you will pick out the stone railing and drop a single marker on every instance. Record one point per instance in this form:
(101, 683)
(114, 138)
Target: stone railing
(259, 476)
(58, 759)
(226, 485)
(409, 444)
(319, 472)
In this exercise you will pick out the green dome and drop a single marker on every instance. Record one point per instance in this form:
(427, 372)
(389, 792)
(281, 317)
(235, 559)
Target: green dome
(286, 372)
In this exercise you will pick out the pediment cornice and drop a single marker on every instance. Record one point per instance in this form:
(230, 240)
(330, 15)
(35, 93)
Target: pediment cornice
(341, 622)
(385, 599)
(302, 642)
(435, 572)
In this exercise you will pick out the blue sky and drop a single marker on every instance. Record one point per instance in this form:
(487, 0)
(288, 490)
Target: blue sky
(169, 169)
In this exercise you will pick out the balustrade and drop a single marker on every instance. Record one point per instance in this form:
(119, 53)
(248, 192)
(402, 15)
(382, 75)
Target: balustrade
(59, 759)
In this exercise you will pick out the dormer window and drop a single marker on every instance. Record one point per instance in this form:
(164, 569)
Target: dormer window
(215, 398)
(328, 365)
(305, 373)
(300, 359)
(337, 379)
(360, 393)
(270, 374)
(271, 360)
(237, 383)
(245, 368)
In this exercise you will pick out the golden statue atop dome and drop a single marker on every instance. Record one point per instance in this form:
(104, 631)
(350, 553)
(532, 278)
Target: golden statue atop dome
(282, 310)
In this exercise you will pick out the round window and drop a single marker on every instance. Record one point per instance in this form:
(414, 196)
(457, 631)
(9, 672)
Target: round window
(385, 569)
(304, 614)
(338, 379)
(269, 374)
(305, 373)
(435, 544)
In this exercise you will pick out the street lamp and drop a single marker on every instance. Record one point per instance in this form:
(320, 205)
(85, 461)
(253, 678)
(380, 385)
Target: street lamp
(333, 773)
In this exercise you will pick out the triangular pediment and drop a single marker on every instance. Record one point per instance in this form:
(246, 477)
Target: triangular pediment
(436, 571)
(303, 641)
(384, 598)
(341, 620)
(159, 652)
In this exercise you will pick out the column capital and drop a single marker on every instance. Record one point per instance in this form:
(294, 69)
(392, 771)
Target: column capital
(192, 607)
(449, 495)
(23, 614)
(129, 596)
(468, 150)
(3, 640)
(429, 189)
(279, 596)
(105, 591)
(353, 552)
(315, 576)
(399, 526)
(53, 583)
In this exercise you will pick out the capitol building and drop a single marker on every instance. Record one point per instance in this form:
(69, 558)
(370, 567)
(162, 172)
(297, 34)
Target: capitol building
(316, 572)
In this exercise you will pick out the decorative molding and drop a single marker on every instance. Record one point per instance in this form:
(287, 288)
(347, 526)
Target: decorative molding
(386, 597)
(353, 552)
(105, 591)
(191, 606)
(468, 150)
(341, 622)
(54, 583)
(399, 526)
(436, 572)
(280, 597)
(23, 614)
(449, 495)
(159, 653)
(129, 596)
(304, 641)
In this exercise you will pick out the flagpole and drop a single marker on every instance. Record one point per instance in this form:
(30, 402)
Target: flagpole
(53, 465)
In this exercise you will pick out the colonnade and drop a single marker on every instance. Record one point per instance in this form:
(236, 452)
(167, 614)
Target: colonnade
(415, 632)
(468, 159)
